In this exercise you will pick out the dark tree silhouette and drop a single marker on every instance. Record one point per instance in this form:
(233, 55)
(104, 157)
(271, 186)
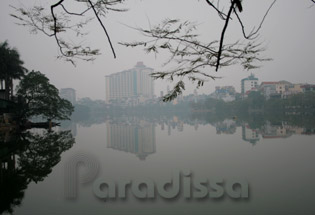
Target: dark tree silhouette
(11, 67)
(36, 155)
(37, 97)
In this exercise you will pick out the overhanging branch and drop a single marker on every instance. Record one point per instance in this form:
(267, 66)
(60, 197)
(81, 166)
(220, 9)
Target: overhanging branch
(223, 33)
(55, 24)
(253, 32)
(101, 23)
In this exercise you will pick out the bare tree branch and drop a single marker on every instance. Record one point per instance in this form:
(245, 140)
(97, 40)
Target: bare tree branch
(101, 23)
(223, 33)
(221, 14)
(55, 25)
(237, 4)
(253, 32)
(77, 14)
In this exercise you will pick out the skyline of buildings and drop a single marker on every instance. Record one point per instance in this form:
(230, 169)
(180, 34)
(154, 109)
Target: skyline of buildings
(269, 89)
(135, 86)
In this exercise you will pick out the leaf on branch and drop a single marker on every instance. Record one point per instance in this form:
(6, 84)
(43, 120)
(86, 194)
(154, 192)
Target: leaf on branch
(159, 75)
(192, 57)
(165, 46)
(177, 90)
(151, 49)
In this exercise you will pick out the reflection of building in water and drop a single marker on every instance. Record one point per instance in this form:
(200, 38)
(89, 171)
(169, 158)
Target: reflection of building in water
(137, 138)
(178, 123)
(250, 135)
(196, 125)
(162, 126)
(227, 126)
(172, 123)
(169, 129)
(271, 131)
(275, 131)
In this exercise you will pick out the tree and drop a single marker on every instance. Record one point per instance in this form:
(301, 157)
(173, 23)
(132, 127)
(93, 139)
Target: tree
(255, 99)
(11, 67)
(56, 20)
(40, 98)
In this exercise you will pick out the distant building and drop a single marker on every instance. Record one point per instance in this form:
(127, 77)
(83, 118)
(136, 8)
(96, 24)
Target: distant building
(134, 85)
(225, 93)
(295, 88)
(279, 89)
(282, 88)
(68, 94)
(268, 89)
(249, 84)
(308, 88)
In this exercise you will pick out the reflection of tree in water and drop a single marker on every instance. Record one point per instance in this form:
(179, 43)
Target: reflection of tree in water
(25, 158)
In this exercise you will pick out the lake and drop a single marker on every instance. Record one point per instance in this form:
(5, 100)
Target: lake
(167, 164)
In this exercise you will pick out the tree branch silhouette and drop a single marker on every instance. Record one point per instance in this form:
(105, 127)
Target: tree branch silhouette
(58, 22)
(101, 23)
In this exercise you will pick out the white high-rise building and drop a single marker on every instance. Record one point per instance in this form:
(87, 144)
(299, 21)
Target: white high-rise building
(133, 84)
(68, 94)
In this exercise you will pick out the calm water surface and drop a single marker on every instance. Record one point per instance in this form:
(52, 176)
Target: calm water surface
(275, 160)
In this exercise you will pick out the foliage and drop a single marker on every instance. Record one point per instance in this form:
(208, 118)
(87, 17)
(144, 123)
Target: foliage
(57, 20)
(194, 58)
(43, 152)
(31, 157)
(255, 99)
(40, 98)
(11, 67)
(301, 103)
(10, 63)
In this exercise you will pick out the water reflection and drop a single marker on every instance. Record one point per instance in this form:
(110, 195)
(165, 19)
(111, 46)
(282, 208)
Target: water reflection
(131, 134)
(272, 131)
(135, 133)
(227, 126)
(27, 157)
(139, 146)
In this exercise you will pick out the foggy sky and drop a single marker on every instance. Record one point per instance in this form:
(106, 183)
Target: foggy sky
(288, 34)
